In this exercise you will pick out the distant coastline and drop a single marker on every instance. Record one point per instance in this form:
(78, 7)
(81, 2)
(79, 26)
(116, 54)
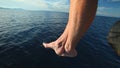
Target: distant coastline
(11, 8)
(21, 9)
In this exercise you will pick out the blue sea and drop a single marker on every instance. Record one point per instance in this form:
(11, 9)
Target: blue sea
(22, 33)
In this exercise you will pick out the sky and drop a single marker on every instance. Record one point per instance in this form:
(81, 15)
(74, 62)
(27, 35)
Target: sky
(105, 7)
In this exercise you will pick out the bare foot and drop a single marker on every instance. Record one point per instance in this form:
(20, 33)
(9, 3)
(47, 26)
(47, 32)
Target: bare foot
(61, 46)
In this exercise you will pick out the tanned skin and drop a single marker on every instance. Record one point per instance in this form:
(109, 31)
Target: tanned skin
(81, 15)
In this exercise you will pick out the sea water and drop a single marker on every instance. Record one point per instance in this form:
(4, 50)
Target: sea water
(22, 33)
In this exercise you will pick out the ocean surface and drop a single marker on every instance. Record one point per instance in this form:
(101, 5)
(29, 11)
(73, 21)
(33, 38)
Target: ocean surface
(22, 33)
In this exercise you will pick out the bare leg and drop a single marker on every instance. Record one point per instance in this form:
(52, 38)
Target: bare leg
(82, 13)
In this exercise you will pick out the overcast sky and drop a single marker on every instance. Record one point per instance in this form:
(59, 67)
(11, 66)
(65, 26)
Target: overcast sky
(105, 7)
